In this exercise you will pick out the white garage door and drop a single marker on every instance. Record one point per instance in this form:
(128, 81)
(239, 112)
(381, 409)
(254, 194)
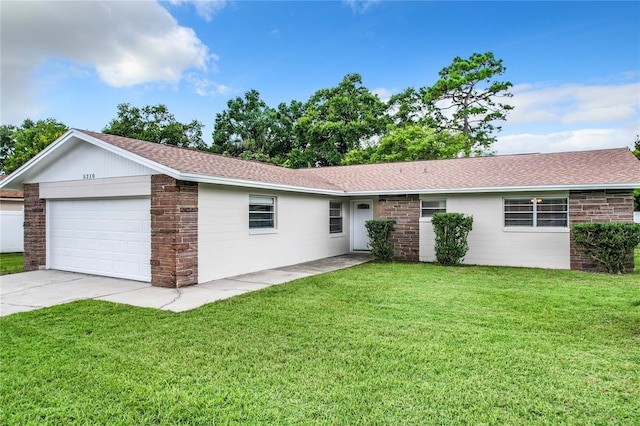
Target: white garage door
(110, 237)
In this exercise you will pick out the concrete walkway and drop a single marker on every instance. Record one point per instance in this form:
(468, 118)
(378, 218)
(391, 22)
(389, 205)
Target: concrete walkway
(28, 291)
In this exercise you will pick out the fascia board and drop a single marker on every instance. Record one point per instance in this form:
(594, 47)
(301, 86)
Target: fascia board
(498, 189)
(6, 183)
(160, 168)
(258, 185)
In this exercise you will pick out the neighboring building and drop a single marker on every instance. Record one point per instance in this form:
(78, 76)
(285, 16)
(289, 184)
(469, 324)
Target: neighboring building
(11, 220)
(114, 206)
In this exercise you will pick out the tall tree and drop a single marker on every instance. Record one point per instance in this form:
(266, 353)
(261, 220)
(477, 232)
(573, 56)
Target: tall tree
(7, 144)
(250, 129)
(156, 124)
(246, 125)
(410, 142)
(337, 120)
(467, 99)
(29, 139)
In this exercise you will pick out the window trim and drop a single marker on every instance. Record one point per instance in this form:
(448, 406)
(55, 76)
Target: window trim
(341, 216)
(254, 201)
(536, 201)
(432, 210)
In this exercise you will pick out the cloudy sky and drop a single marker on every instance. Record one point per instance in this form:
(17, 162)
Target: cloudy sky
(575, 66)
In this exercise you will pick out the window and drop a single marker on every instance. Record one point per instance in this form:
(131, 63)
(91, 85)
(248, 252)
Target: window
(429, 207)
(335, 218)
(262, 212)
(536, 212)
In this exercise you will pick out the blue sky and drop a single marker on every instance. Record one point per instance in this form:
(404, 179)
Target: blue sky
(575, 66)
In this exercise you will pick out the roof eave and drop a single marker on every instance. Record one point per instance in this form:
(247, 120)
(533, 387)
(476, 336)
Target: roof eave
(258, 185)
(494, 189)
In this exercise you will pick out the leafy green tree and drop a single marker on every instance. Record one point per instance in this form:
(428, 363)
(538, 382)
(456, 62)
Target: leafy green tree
(339, 119)
(156, 124)
(247, 124)
(467, 99)
(410, 143)
(407, 108)
(28, 140)
(7, 144)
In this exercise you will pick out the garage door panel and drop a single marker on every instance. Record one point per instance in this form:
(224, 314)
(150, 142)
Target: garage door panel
(110, 237)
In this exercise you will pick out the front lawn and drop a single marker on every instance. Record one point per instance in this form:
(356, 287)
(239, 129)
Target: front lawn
(11, 263)
(373, 344)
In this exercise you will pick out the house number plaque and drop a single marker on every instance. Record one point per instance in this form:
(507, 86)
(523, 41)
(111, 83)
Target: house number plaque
(89, 176)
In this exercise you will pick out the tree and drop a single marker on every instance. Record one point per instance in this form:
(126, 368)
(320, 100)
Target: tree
(339, 119)
(410, 143)
(155, 124)
(28, 140)
(407, 108)
(246, 125)
(466, 99)
(7, 144)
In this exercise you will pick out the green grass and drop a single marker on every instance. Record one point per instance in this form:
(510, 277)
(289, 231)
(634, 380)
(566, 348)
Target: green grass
(373, 344)
(11, 263)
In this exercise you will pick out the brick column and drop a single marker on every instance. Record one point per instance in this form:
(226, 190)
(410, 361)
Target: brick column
(35, 228)
(405, 210)
(597, 206)
(174, 232)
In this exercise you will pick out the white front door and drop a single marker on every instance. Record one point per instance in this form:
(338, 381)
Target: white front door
(362, 211)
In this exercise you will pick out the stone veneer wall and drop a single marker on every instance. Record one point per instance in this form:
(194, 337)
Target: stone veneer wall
(174, 232)
(597, 206)
(405, 209)
(35, 228)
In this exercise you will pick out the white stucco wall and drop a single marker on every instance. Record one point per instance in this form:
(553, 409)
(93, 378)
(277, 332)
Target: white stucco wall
(490, 243)
(226, 246)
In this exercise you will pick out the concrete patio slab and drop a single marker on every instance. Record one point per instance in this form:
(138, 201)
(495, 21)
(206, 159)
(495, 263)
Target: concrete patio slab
(39, 289)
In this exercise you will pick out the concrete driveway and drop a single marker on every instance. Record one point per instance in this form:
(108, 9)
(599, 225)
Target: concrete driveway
(28, 291)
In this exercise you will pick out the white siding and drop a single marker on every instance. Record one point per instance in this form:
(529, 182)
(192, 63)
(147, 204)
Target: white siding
(227, 248)
(131, 186)
(11, 231)
(490, 243)
(85, 159)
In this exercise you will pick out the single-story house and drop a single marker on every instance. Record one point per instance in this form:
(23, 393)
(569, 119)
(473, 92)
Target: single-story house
(11, 220)
(108, 205)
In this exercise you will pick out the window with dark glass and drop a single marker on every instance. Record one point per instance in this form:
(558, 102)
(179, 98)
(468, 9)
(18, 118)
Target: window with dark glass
(262, 212)
(335, 217)
(536, 212)
(429, 207)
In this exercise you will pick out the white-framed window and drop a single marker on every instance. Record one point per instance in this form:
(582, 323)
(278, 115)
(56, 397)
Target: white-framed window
(262, 212)
(335, 217)
(536, 212)
(429, 207)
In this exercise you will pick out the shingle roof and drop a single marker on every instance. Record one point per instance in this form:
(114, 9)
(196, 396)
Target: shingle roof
(208, 164)
(609, 166)
(581, 168)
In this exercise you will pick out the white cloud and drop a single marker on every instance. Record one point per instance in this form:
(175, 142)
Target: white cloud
(571, 140)
(360, 6)
(205, 87)
(383, 93)
(575, 103)
(206, 9)
(127, 43)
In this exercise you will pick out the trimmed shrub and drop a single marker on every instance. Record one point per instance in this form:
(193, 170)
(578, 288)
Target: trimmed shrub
(611, 244)
(451, 231)
(379, 231)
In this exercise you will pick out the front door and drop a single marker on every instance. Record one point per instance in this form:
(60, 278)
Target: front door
(362, 211)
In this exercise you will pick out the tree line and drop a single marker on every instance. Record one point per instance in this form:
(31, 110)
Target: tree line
(346, 124)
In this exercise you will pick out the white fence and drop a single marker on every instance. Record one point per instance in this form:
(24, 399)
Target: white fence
(636, 217)
(11, 231)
